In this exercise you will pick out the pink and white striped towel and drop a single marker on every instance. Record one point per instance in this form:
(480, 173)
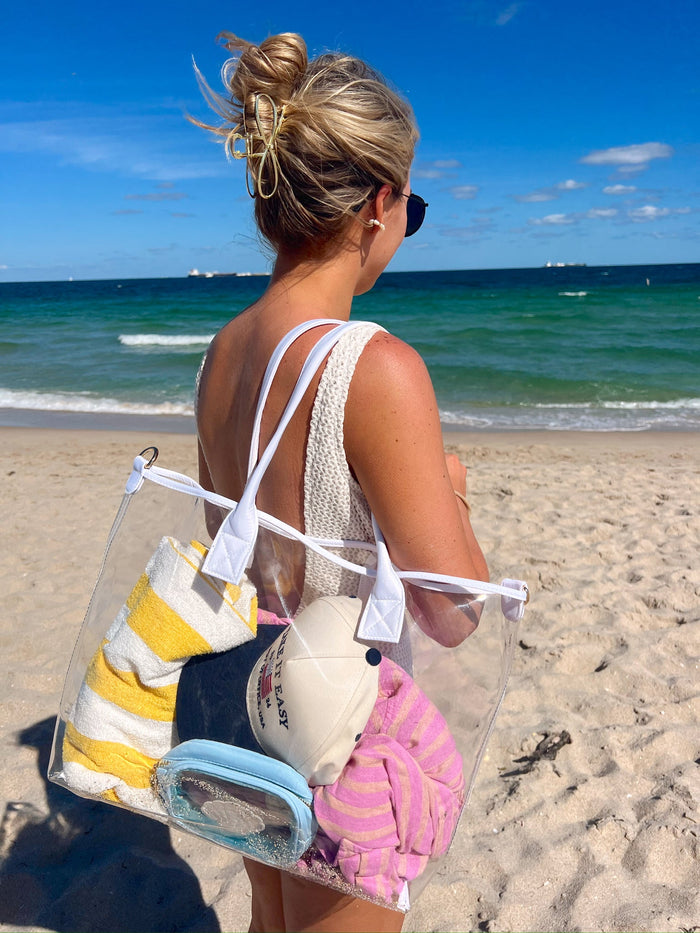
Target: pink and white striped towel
(397, 801)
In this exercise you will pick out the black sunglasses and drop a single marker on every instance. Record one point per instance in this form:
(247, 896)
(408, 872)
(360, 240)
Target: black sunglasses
(415, 212)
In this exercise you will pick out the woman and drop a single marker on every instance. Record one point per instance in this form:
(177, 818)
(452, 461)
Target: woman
(329, 149)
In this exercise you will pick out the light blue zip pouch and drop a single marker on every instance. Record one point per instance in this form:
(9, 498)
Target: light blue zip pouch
(238, 798)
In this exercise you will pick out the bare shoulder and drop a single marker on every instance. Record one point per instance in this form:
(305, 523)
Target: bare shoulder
(390, 369)
(391, 401)
(226, 354)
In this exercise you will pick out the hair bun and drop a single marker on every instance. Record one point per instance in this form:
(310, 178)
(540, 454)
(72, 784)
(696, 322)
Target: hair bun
(275, 67)
(319, 138)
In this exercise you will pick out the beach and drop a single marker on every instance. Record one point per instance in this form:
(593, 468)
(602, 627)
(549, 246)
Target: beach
(585, 811)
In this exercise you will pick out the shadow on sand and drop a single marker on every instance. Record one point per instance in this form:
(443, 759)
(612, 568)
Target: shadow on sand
(85, 866)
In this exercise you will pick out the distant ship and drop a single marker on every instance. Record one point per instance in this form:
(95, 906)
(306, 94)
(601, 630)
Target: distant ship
(196, 274)
(561, 265)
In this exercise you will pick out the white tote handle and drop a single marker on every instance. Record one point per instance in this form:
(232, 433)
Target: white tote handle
(270, 373)
(382, 619)
(232, 549)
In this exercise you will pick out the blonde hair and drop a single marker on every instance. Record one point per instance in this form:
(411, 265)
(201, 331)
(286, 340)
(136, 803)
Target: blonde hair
(320, 138)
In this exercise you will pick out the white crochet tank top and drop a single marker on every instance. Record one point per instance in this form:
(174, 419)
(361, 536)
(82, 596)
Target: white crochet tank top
(334, 504)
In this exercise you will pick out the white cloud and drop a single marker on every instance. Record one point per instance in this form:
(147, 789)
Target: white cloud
(644, 214)
(638, 154)
(464, 192)
(632, 169)
(159, 250)
(535, 197)
(144, 147)
(487, 12)
(619, 189)
(156, 196)
(560, 220)
(550, 193)
(554, 220)
(651, 212)
(505, 16)
(439, 168)
(479, 228)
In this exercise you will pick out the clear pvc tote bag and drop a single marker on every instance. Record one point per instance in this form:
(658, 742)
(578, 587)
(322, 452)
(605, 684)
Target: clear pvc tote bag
(338, 739)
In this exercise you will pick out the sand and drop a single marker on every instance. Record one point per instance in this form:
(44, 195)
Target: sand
(598, 833)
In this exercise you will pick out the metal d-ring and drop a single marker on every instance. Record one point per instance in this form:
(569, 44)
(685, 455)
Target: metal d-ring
(154, 456)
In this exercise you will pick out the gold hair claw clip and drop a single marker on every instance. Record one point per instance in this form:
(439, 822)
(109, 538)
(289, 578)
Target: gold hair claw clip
(252, 177)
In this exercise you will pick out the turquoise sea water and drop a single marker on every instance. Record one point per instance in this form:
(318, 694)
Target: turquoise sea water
(573, 348)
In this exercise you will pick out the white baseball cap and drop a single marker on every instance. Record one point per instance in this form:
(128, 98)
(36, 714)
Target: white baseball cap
(311, 693)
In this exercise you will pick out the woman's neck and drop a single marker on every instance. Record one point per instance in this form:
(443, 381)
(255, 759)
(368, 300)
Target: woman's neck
(314, 287)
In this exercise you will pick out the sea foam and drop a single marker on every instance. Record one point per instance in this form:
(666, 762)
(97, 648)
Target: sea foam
(679, 414)
(165, 340)
(59, 401)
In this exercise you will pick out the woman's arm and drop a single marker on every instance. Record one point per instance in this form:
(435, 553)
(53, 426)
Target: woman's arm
(393, 441)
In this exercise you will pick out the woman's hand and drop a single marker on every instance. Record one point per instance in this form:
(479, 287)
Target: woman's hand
(457, 472)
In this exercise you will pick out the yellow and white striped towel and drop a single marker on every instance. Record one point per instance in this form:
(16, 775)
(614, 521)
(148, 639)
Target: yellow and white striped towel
(123, 721)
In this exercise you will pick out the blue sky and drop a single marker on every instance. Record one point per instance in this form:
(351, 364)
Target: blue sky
(550, 131)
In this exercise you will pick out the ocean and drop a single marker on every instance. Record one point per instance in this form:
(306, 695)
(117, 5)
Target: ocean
(563, 348)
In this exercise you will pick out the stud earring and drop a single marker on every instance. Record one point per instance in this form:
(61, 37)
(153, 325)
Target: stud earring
(377, 223)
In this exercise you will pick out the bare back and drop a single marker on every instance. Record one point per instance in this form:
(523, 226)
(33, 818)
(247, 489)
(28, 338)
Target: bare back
(228, 396)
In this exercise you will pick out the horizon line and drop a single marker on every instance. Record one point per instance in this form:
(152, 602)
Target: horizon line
(246, 275)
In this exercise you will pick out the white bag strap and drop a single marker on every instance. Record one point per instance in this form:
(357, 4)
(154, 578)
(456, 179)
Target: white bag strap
(514, 607)
(232, 549)
(382, 619)
(514, 590)
(269, 376)
(514, 593)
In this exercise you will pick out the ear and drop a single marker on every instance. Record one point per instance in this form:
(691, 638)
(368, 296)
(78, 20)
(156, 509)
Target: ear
(379, 202)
